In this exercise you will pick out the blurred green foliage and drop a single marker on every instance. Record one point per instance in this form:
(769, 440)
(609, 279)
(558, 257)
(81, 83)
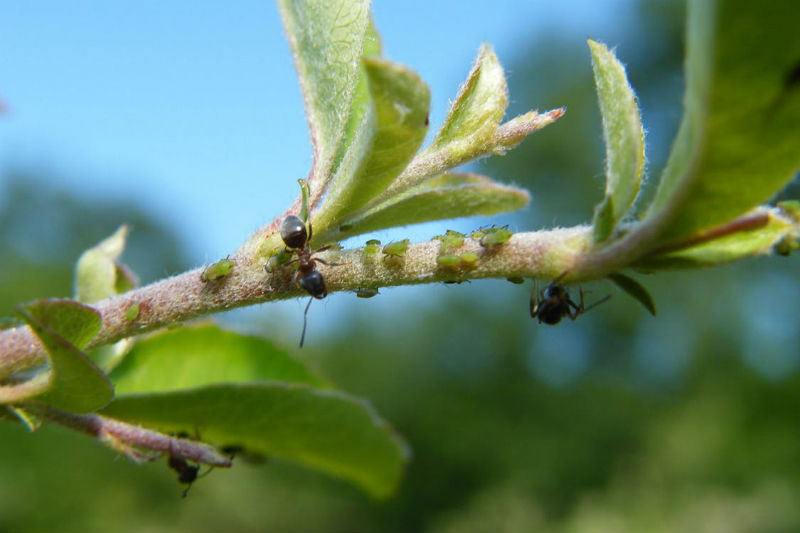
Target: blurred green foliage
(618, 421)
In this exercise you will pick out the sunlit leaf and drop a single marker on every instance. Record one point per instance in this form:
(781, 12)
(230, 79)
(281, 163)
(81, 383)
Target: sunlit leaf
(99, 275)
(326, 39)
(73, 382)
(441, 197)
(191, 357)
(323, 429)
(391, 132)
(738, 142)
(624, 140)
(96, 271)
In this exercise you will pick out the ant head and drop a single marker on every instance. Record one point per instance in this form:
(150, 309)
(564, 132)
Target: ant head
(555, 292)
(294, 232)
(314, 284)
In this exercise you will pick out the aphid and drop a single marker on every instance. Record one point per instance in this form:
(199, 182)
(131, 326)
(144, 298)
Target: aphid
(452, 239)
(364, 292)
(132, 312)
(448, 260)
(554, 303)
(492, 237)
(296, 236)
(218, 270)
(469, 259)
(372, 247)
(397, 248)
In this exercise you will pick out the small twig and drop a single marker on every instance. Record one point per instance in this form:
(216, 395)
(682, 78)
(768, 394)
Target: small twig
(123, 437)
(745, 223)
(543, 254)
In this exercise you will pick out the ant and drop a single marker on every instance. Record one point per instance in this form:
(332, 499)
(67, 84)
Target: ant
(296, 238)
(187, 473)
(554, 303)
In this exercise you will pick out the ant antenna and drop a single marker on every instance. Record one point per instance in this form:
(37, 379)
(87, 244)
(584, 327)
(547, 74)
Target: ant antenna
(305, 321)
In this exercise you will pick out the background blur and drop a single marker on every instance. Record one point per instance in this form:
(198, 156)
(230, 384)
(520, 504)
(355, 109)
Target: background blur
(187, 123)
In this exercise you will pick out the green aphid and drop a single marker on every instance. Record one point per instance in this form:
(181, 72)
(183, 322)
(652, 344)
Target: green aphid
(495, 237)
(132, 312)
(448, 260)
(477, 234)
(453, 239)
(372, 247)
(396, 249)
(280, 257)
(516, 280)
(366, 293)
(218, 270)
(470, 259)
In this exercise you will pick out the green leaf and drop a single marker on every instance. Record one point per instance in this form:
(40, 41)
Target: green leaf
(73, 382)
(98, 275)
(634, 289)
(470, 129)
(361, 97)
(477, 110)
(96, 272)
(624, 139)
(441, 197)
(326, 39)
(760, 240)
(391, 132)
(195, 356)
(738, 142)
(323, 429)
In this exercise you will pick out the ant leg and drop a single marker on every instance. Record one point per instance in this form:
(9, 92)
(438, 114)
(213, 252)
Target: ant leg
(305, 321)
(318, 260)
(598, 302)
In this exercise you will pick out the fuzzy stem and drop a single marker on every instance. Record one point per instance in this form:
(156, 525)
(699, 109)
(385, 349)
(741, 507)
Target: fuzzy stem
(120, 434)
(541, 254)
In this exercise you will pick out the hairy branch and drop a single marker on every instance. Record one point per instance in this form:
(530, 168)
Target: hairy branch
(541, 254)
(123, 437)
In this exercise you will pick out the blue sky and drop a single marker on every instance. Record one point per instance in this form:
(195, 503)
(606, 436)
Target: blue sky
(193, 109)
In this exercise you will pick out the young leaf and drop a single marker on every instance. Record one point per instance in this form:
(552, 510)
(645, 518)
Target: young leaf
(469, 129)
(624, 139)
(361, 97)
(441, 197)
(738, 142)
(191, 357)
(323, 429)
(326, 39)
(96, 272)
(73, 382)
(98, 275)
(635, 289)
(391, 132)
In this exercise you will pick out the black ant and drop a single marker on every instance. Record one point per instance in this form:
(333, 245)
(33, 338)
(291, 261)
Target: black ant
(187, 473)
(554, 303)
(296, 238)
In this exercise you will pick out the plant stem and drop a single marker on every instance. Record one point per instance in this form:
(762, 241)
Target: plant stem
(541, 254)
(122, 436)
